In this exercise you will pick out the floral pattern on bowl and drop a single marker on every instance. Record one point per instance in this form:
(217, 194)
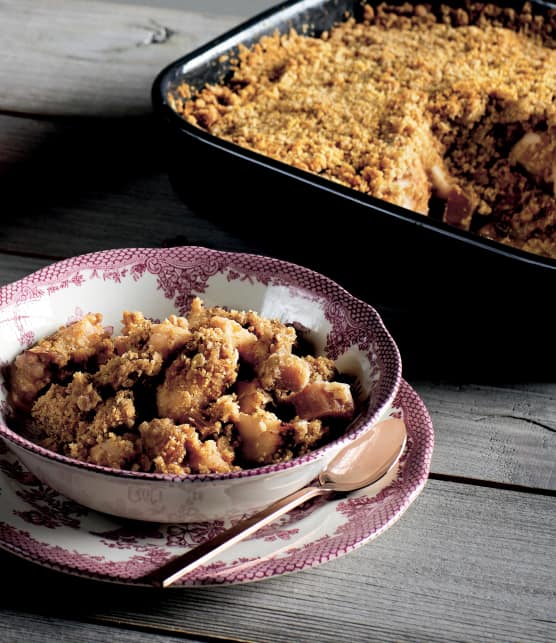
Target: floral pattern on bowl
(159, 282)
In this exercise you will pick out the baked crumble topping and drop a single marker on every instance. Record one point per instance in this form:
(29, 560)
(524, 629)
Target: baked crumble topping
(212, 392)
(448, 112)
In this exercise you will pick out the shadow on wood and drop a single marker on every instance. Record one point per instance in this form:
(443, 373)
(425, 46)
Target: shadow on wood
(53, 162)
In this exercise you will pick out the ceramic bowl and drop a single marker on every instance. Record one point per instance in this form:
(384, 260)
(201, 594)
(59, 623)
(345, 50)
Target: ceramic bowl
(159, 282)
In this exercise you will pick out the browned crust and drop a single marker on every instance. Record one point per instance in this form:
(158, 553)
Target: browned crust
(407, 105)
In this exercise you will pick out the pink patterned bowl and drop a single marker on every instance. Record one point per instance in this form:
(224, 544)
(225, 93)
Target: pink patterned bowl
(159, 282)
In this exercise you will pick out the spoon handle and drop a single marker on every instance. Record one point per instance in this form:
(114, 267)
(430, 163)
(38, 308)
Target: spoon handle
(173, 570)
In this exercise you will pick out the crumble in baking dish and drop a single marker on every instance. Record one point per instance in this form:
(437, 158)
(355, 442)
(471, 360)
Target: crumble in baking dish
(448, 112)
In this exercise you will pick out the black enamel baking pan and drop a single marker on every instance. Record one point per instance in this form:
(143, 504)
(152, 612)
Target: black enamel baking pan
(455, 302)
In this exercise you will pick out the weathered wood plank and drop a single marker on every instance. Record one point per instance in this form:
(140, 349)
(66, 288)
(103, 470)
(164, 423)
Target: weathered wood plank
(464, 563)
(244, 8)
(16, 627)
(88, 58)
(504, 433)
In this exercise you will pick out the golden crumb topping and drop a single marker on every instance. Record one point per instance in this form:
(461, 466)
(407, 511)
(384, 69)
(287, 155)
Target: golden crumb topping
(211, 392)
(450, 113)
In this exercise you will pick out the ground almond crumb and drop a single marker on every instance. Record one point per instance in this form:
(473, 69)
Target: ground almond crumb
(448, 112)
(214, 391)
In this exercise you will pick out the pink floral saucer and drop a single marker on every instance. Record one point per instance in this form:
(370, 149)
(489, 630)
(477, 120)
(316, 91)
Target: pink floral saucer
(41, 526)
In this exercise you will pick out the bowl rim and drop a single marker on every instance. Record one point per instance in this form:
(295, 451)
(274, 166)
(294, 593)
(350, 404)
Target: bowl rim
(75, 264)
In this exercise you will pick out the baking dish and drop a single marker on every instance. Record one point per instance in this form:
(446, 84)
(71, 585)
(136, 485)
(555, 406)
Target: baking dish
(449, 296)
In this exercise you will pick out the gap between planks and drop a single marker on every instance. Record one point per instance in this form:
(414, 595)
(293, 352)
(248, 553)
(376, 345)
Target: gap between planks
(492, 484)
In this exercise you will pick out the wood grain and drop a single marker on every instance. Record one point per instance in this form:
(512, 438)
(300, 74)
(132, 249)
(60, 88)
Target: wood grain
(85, 58)
(18, 626)
(503, 433)
(463, 563)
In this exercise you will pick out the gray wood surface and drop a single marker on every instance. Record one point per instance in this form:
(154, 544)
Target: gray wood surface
(463, 563)
(33, 628)
(494, 432)
(243, 8)
(103, 58)
(82, 169)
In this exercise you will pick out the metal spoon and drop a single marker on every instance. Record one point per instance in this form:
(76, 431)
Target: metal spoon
(359, 464)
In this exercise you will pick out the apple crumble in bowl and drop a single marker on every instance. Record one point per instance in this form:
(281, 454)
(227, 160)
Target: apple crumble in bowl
(447, 110)
(214, 391)
(240, 377)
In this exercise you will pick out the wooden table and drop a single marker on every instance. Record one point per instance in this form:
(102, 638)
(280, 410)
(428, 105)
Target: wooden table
(474, 557)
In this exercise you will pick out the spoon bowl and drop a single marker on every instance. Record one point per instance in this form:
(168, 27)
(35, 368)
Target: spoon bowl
(361, 463)
(367, 460)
